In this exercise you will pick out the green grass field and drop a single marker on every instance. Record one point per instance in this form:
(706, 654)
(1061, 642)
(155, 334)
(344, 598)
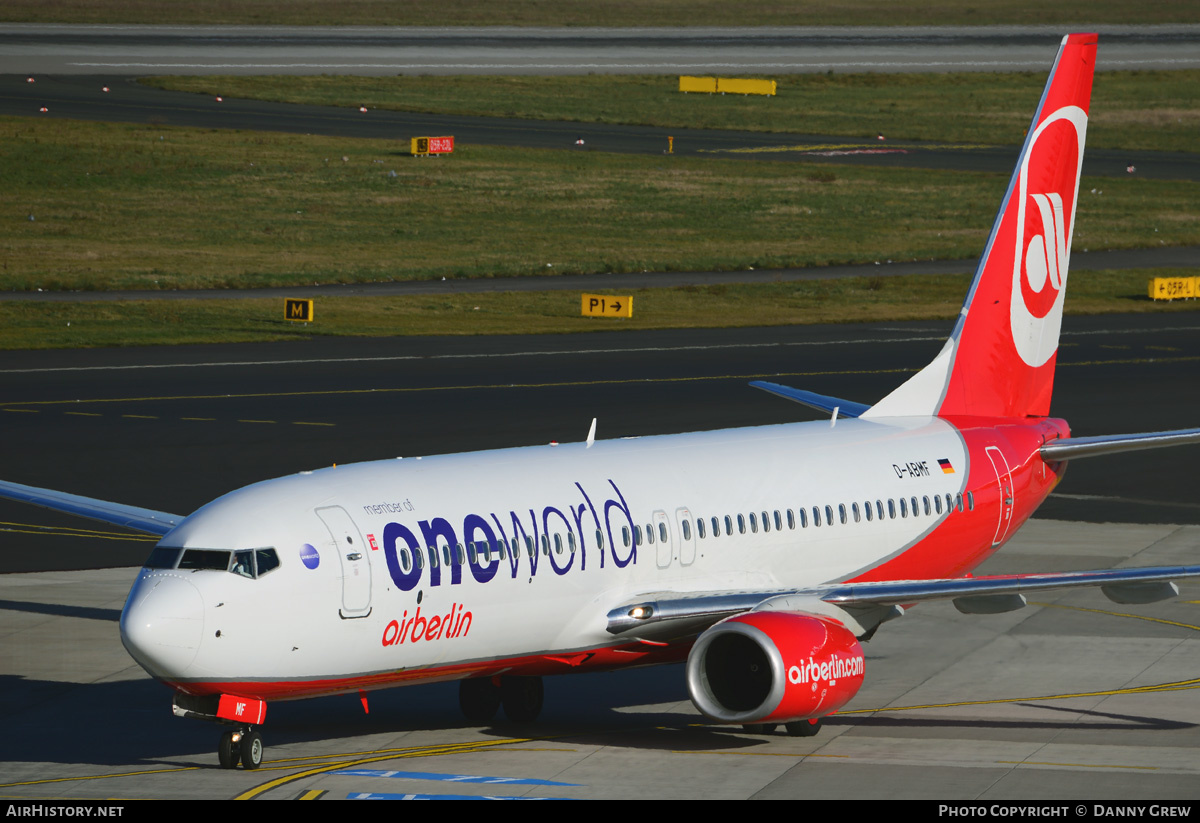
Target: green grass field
(1073, 13)
(103, 206)
(26, 325)
(1130, 110)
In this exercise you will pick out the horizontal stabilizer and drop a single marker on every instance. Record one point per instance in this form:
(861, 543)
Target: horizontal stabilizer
(820, 402)
(1072, 447)
(147, 521)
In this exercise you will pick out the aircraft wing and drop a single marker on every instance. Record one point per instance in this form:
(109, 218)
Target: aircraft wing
(147, 521)
(676, 614)
(820, 402)
(1073, 447)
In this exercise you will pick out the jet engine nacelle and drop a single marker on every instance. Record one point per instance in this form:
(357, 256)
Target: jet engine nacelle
(774, 667)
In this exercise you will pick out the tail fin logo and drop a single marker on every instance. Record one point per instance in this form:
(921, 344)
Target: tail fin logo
(1048, 187)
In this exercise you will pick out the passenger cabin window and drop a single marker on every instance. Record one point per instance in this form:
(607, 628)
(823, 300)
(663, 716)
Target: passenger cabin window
(867, 510)
(803, 518)
(857, 515)
(937, 503)
(650, 534)
(728, 525)
(741, 524)
(699, 528)
(971, 501)
(625, 535)
(687, 529)
(662, 532)
(791, 518)
(842, 513)
(829, 515)
(903, 508)
(753, 523)
(816, 516)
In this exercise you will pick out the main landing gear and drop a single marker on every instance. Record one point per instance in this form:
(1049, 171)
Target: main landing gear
(480, 697)
(798, 728)
(243, 745)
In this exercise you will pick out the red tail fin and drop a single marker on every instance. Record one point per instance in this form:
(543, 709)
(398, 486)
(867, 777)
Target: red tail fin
(999, 361)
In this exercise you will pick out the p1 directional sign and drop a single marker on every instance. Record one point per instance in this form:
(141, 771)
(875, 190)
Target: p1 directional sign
(606, 305)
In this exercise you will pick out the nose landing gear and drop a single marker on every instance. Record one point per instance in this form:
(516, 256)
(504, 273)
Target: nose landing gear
(243, 746)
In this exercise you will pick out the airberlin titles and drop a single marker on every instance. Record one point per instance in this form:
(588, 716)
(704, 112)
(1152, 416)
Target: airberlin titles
(581, 526)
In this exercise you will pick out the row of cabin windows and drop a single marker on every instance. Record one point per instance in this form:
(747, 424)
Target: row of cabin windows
(482, 552)
(890, 510)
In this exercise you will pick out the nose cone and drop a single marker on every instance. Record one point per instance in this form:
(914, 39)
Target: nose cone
(162, 624)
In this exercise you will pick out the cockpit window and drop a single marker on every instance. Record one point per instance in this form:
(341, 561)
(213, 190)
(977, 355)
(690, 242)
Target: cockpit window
(267, 560)
(162, 557)
(251, 563)
(213, 559)
(243, 564)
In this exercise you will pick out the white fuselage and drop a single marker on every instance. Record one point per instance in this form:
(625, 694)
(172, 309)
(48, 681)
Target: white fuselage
(349, 604)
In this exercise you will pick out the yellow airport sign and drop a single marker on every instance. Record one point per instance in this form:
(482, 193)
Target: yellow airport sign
(1173, 288)
(606, 305)
(299, 310)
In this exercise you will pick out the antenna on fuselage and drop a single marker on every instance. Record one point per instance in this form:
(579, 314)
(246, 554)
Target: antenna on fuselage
(591, 438)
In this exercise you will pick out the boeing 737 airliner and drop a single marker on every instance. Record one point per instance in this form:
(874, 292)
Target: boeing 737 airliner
(762, 556)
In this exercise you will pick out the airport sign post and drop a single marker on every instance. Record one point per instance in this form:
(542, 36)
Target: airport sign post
(298, 310)
(602, 305)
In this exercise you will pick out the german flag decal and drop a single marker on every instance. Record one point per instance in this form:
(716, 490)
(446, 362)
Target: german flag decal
(946, 467)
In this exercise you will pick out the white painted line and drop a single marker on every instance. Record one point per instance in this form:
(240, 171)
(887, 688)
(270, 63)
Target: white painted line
(567, 352)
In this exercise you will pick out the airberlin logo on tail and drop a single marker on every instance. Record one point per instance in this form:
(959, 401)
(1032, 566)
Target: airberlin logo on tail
(1047, 188)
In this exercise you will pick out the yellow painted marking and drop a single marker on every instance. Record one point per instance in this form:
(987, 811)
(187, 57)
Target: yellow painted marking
(312, 794)
(23, 411)
(141, 416)
(67, 531)
(256, 421)
(766, 754)
(198, 418)
(100, 776)
(1076, 765)
(1121, 614)
(303, 423)
(429, 751)
(1178, 685)
(549, 385)
(85, 414)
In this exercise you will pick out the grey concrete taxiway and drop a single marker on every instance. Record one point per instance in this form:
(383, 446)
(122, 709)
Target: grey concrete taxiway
(1075, 699)
(1071, 698)
(128, 49)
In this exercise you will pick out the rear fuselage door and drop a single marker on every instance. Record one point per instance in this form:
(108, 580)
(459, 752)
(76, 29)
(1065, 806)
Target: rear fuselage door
(354, 558)
(1004, 479)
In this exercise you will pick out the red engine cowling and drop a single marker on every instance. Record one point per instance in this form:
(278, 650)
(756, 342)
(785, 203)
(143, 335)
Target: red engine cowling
(774, 667)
